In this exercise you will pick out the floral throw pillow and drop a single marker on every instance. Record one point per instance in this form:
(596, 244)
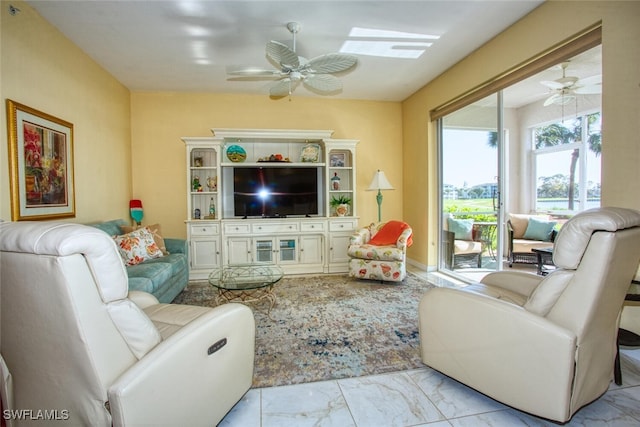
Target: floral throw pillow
(137, 246)
(154, 230)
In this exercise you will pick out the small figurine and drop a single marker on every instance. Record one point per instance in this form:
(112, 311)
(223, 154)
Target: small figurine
(212, 183)
(196, 183)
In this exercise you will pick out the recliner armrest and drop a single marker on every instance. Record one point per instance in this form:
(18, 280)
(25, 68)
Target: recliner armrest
(497, 348)
(516, 281)
(210, 358)
(142, 299)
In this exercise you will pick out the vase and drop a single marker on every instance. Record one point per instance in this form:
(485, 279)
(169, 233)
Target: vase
(342, 210)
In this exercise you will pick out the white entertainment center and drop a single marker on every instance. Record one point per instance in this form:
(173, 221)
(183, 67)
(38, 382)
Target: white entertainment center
(295, 226)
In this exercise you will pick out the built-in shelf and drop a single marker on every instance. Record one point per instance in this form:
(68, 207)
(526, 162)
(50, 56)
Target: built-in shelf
(314, 244)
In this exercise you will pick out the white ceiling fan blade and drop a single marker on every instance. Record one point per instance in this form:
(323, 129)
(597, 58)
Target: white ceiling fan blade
(591, 81)
(552, 99)
(251, 71)
(588, 90)
(331, 63)
(323, 83)
(562, 83)
(281, 54)
(552, 84)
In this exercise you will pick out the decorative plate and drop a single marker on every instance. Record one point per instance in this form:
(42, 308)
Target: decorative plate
(310, 153)
(236, 153)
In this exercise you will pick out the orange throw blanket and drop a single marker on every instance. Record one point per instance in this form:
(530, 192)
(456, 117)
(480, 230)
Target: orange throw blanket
(389, 233)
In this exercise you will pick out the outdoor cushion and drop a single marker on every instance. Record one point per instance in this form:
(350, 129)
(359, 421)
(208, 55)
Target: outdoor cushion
(524, 245)
(467, 247)
(461, 228)
(539, 229)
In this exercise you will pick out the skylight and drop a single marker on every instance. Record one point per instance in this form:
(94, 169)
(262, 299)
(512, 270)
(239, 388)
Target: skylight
(384, 43)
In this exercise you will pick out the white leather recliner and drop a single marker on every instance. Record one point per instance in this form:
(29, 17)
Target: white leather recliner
(74, 342)
(543, 345)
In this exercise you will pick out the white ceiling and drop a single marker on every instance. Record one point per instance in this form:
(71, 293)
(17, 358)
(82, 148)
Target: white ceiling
(186, 46)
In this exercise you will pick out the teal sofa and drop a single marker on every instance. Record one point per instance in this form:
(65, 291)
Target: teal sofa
(163, 277)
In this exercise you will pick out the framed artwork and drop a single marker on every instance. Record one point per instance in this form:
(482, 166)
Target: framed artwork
(40, 164)
(310, 153)
(337, 160)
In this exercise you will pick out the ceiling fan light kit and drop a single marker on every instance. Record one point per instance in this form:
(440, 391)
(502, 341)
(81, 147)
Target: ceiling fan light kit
(317, 74)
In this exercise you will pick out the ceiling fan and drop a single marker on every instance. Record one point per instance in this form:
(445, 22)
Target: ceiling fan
(565, 89)
(315, 74)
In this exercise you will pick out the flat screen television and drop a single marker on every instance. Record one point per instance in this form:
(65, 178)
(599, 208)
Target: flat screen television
(264, 191)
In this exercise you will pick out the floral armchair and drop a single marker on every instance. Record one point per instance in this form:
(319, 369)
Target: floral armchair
(379, 251)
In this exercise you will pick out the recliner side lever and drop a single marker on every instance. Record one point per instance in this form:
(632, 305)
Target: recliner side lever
(217, 346)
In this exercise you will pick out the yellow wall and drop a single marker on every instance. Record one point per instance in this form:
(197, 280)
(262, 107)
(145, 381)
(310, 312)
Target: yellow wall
(44, 70)
(549, 24)
(159, 120)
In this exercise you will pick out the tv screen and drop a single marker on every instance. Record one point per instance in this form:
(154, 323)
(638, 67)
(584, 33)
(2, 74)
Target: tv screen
(275, 191)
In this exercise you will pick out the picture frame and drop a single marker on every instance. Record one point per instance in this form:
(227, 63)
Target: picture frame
(337, 160)
(310, 153)
(41, 165)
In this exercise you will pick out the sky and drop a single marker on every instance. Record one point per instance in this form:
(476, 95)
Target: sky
(469, 159)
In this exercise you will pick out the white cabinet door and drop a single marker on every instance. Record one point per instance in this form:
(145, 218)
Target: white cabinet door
(205, 253)
(239, 250)
(311, 249)
(338, 258)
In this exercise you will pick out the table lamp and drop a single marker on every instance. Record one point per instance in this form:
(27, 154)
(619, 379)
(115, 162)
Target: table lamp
(379, 182)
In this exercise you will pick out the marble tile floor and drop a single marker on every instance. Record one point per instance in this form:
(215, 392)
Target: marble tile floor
(420, 397)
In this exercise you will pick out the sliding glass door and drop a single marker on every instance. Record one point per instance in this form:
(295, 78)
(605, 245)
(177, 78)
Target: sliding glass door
(470, 188)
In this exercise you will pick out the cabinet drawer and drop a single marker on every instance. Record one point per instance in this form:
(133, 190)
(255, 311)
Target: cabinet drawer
(347, 225)
(312, 226)
(276, 228)
(237, 228)
(204, 229)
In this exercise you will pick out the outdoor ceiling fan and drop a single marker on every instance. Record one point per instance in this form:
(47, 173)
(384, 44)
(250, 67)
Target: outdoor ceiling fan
(565, 89)
(291, 70)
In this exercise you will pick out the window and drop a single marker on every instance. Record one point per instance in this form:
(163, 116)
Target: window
(567, 165)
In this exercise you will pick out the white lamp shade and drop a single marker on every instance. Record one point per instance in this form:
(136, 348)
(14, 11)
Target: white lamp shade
(380, 182)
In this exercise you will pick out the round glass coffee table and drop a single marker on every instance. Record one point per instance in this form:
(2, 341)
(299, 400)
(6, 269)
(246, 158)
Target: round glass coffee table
(246, 283)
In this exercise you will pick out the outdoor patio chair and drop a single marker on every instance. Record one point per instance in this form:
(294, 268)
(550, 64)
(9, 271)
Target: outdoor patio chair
(460, 243)
(527, 232)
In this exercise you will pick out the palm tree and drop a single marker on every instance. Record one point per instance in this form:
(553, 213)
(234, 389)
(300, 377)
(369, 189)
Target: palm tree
(557, 134)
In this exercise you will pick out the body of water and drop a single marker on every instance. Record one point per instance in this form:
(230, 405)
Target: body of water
(561, 205)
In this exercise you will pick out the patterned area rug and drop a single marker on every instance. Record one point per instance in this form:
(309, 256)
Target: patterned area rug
(330, 327)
